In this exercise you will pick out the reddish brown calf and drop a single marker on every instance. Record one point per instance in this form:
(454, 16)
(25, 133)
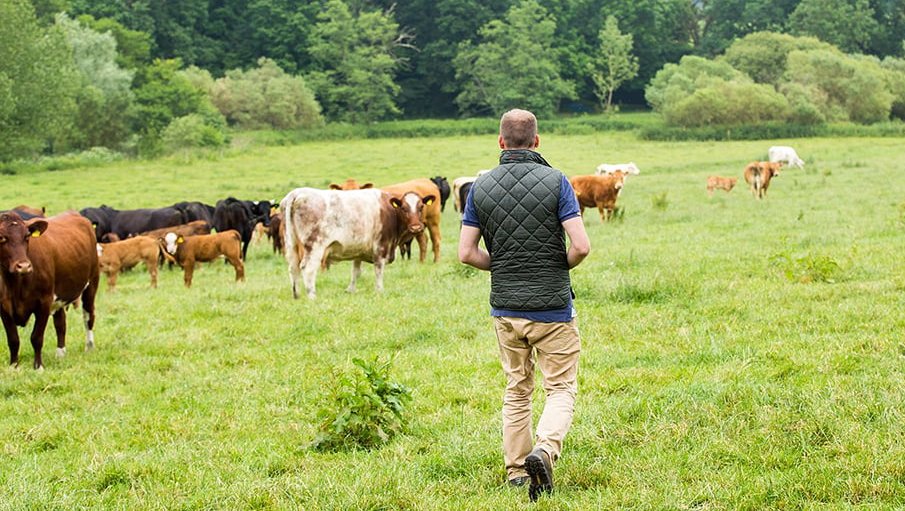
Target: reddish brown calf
(122, 255)
(186, 251)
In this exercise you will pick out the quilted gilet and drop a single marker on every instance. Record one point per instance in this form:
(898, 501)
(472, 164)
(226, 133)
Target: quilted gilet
(517, 205)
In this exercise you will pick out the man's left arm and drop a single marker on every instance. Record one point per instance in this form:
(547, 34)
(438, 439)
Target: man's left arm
(470, 252)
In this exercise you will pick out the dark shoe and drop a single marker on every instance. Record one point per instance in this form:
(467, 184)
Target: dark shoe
(540, 470)
(518, 482)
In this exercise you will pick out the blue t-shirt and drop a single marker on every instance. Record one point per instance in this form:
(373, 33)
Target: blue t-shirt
(568, 208)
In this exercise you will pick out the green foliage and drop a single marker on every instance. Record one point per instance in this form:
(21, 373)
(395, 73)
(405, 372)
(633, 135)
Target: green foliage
(265, 97)
(806, 268)
(614, 63)
(895, 81)
(676, 82)
(37, 82)
(513, 65)
(133, 46)
(763, 55)
(354, 57)
(189, 132)
(847, 24)
(728, 103)
(366, 409)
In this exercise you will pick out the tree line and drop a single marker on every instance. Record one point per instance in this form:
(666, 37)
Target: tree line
(119, 73)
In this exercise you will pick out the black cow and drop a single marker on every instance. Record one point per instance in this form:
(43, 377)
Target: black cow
(463, 194)
(443, 185)
(239, 215)
(101, 219)
(132, 222)
(195, 210)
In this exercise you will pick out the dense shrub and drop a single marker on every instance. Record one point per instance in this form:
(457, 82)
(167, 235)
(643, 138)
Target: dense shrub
(728, 103)
(895, 81)
(677, 81)
(264, 97)
(762, 55)
(191, 131)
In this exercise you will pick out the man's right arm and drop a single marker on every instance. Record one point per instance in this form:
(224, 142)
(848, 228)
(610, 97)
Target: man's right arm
(579, 243)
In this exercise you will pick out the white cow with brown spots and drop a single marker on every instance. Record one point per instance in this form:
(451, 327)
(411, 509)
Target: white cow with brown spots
(355, 225)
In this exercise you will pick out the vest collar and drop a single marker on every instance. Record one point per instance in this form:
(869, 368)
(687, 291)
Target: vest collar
(522, 156)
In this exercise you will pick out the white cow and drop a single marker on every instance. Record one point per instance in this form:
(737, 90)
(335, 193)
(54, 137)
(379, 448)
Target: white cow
(322, 226)
(785, 154)
(625, 168)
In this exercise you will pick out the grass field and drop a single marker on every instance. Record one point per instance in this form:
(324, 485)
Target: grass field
(736, 354)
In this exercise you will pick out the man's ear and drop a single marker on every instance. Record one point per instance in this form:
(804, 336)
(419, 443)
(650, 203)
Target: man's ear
(536, 141)
(500, 140)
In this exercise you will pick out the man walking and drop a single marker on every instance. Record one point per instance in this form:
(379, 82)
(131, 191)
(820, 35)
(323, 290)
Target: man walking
(523, 209)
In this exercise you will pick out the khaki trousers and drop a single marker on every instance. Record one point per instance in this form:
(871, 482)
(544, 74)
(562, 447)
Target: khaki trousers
(557, 346)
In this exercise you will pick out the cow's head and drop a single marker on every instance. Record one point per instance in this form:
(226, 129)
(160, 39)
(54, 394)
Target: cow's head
(351, 184)
(14, 236)
(772, 167)
(171, 242)
(410, 209)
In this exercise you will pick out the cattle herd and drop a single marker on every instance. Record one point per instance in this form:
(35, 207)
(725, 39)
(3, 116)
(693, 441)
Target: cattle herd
(47, 264)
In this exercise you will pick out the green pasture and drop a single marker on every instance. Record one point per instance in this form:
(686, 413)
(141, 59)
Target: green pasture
(736, 354)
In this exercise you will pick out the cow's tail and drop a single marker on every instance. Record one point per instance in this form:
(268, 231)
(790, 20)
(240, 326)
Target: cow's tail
(290, 241)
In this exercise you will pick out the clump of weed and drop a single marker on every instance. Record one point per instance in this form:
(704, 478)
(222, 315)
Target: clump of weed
(659, 201)
(463, 271)
(807, 268)
(366, 409)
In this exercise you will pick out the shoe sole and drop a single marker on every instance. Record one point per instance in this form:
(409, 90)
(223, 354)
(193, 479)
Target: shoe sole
(541, 482)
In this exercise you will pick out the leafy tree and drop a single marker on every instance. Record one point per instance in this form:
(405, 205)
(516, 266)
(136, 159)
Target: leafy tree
(189, 132)
(677, 81)
(104, 99)
(895, 79)
(723, 21)
(46, 10)
(728, 103)
(762, 55)
(37, 82)
(614, 63)
(265, 97)
(514, 65)
(133, 46)
(848, 24)
(354, 57)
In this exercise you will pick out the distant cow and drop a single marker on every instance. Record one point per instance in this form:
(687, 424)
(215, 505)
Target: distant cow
(625, 168)
(192, 211)
(599, 192)
(758, 175)
(786, 155)
(431, 214)
(720, 183)
(30, 211)
(130, 222)
(458, 196)
(276, 232)
(45, 265)
(122, 255)
(355, 225)
(193, 228)
(443, 186)
(351, 184)
(101, 220)
(187, 251)
(241, 216)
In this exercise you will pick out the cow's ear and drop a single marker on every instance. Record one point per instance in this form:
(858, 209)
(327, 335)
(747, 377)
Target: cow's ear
(428, 200)
(180, 240)
(396, 203)
(367, 185)
(36, 227)
(334, 186)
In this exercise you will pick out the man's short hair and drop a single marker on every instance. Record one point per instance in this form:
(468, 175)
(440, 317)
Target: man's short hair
(518, 129)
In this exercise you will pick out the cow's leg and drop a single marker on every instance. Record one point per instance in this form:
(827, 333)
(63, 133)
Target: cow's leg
(379, 263)
(435, 242)
(239, 266)
(422, 246)
(88, 297)
(188, 267)
(12, 339)
(602, 209)
(37, 334)
(59, 326)
(311, 262)
(356, 271)
(111, 280)
(152, 269)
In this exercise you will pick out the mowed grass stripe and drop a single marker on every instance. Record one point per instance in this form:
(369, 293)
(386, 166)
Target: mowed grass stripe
(708, 378)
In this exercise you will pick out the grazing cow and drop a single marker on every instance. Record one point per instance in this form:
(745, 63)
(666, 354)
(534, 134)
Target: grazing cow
(131, 222)
(193, 228)
(28, 212)
(122, 255)
(598, 191)
(786, 155)
(192, 211)
(720, 183)
(186, 251)
(356, 225)
(625, 168)
(458, 196)
(45, 265)
(758, 175)
(351, 184)
(101, 220)
(443, 186)
(240, 216)
(276, 232)
(431, 213)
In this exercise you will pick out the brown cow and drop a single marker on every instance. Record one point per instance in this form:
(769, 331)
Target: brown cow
(45, 265)
(356, 225)
(351, 184)
(720, 183)
(193, 228)
(277, 232)
(186, 251)
(758, 175)
(41, 212)
(428, 190)
(122, 255)
(598, 191)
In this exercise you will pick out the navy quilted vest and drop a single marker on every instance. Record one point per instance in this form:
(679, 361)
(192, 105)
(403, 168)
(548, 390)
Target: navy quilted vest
(517, 205)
